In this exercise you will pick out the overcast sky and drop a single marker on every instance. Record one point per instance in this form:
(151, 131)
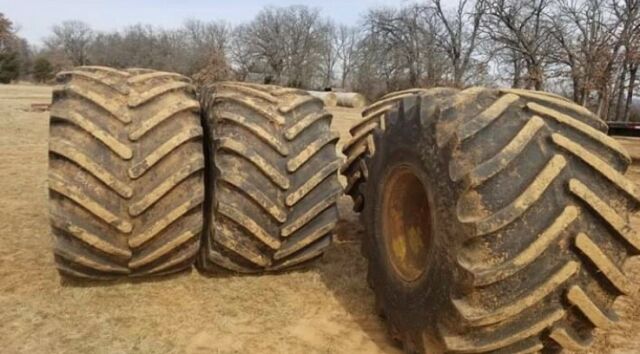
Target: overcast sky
(36, 17)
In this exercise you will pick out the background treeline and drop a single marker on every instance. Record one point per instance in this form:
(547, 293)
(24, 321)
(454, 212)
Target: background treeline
(586, 50)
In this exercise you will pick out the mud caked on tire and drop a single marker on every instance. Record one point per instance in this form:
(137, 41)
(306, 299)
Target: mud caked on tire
(361, 144)
(126, 172)
(272, 178)
(497, 221)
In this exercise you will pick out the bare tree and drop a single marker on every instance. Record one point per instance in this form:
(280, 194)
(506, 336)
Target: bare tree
(265, 40)
(306, 41)
(375, 70)
(285, 44)
(608, 57)
(459, 35)
(188, 50)
(329, 53)
(521, 29)
(408, 34)
(243, 58)
(347, 39)
(206, 44)
(135, 46)
(586, 36)
(73, 38)
(628, 14)
(207, 36)
(399, 31)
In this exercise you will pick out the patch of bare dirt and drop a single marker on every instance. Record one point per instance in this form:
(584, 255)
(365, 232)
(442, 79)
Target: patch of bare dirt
(327, 308)
(632, 144)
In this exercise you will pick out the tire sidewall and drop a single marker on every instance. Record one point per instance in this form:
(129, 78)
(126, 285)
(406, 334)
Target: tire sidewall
(414, 308)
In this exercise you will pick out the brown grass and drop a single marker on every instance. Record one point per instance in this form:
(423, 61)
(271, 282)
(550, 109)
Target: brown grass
(327, 308)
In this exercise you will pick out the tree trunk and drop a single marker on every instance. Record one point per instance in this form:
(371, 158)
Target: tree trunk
(575, 80)
(414, 76)
(584, 95)
(620, 112)
(457, 74)
(344, 78)
(632, 82)
(536, 76)
(516, 74)
(604, 104)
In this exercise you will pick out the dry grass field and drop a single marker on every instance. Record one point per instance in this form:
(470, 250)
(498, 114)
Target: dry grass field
(326, 308)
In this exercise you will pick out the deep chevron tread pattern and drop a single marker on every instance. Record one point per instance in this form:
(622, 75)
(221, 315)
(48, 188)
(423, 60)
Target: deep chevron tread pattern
(126, 173)
(540, 211)
(273, 178)
(361, 145)
(564, 218)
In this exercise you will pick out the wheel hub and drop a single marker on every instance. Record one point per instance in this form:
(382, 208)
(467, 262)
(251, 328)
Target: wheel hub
(406, 223)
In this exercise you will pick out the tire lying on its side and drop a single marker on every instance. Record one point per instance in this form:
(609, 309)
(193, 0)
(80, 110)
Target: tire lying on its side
(497, 221)
(361, 143)
(126, 172)
(273, 178)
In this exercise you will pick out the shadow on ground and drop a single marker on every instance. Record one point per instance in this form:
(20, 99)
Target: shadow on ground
(344, 270)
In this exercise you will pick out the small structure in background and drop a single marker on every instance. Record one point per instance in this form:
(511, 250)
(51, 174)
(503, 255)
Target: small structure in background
(630, 127)
(624, 128)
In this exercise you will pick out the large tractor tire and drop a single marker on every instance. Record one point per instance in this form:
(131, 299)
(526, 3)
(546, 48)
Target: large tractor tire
(497, 221)
(126, 173)
(272, 178)
(361, 142)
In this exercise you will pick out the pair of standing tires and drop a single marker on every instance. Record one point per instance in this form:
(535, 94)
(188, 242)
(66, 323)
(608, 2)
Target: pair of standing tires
(137, 186)
(495, 220)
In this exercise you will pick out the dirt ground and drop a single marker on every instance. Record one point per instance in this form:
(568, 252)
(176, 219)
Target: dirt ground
(324, 309)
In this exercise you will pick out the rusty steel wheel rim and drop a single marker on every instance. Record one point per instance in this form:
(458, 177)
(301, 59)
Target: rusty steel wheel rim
(406, 223)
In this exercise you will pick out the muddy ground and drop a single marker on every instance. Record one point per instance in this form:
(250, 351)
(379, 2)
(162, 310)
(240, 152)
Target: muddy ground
(324, 309)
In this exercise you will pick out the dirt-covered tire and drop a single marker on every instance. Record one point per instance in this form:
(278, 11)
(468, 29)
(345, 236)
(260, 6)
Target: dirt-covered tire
(126, 172)
(497, 221)
(272, 178)
(361, 143)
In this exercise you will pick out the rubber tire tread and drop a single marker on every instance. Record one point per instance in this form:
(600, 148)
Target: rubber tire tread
(126, 173)
(544, 211)
(273, 178)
